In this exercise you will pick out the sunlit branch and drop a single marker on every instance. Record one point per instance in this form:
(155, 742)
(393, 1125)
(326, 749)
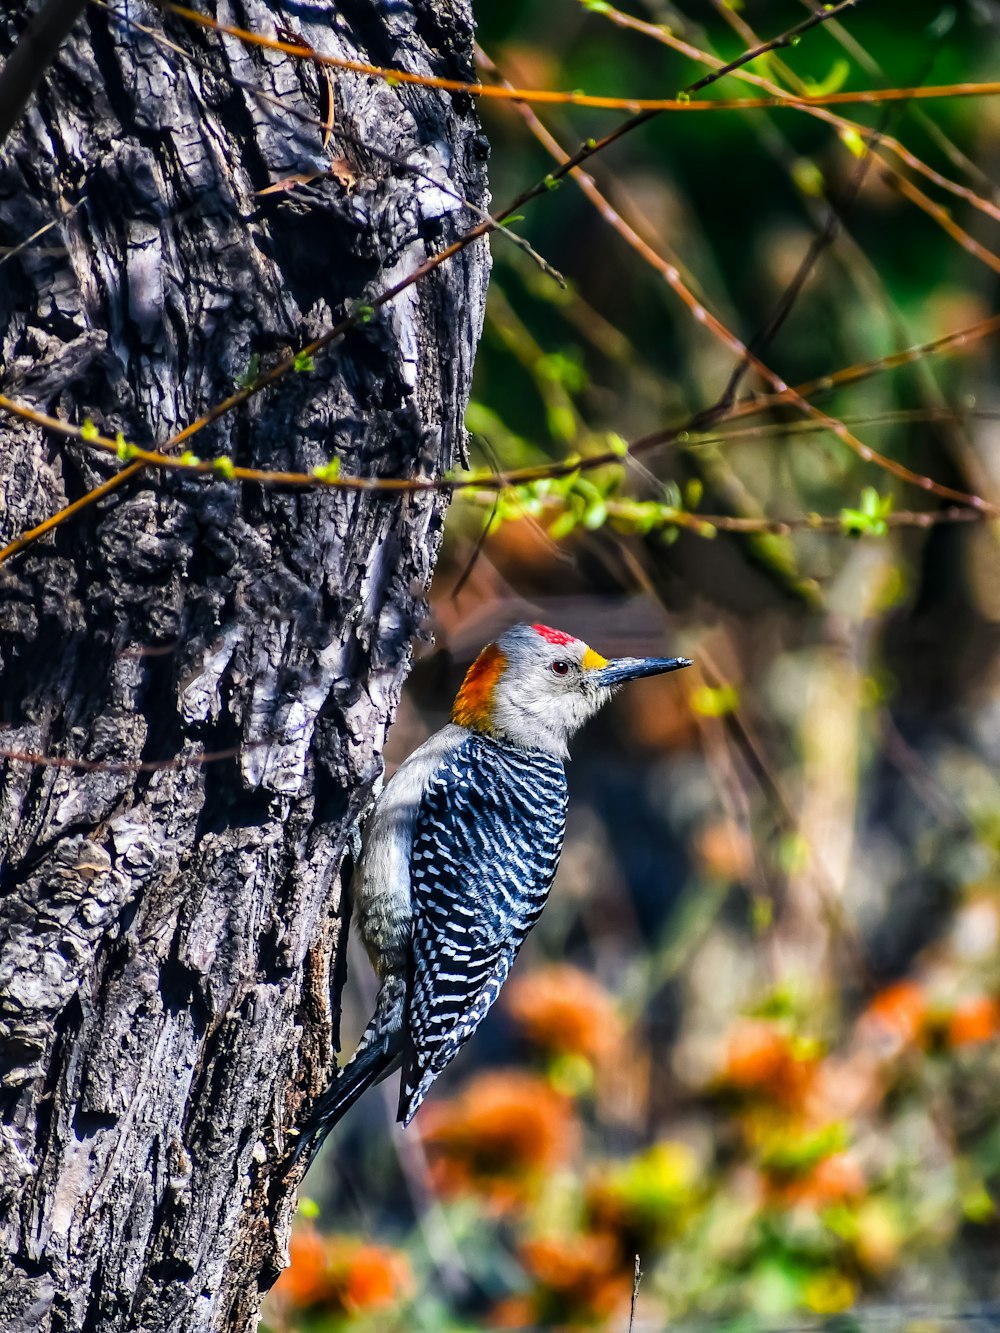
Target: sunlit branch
(844, 126)
(671, 275)
(112, 484)
(944, 220)
(438, 180)
(567, 165)
(787, 39)
(362, 313)
(551, 97)
(707, 525)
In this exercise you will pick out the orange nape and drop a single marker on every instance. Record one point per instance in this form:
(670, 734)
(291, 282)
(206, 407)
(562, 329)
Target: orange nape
(474, 702)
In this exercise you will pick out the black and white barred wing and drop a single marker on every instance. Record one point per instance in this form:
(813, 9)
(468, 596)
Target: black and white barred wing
(485, 849)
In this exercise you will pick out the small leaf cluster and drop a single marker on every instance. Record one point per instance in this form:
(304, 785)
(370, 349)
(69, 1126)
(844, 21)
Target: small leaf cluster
(870, 517)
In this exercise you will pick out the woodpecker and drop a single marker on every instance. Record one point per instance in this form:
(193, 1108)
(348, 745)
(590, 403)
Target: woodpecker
(460, 852)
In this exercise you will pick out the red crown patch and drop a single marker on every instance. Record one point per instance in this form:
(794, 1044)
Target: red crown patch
(557, 636)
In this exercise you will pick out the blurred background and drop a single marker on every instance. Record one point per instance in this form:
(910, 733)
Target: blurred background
(754, 1039)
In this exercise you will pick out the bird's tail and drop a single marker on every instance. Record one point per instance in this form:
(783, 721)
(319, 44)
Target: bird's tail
(379, 1052)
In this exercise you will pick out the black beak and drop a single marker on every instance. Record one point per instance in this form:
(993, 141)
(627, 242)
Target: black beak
(621, 669)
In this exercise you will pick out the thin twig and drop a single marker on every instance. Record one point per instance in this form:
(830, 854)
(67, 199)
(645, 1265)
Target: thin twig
(680, 433)
(787, 39)
(346, 136)
(835, 217)
(567, 165)
(635, 1295)
(707, 525)
(15, 250)
(360, 314)
(710, 416)
(484, 532)
(551, 97)
(843, 126)
(822, 241)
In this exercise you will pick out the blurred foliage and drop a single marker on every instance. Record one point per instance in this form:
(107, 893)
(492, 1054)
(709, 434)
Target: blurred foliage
(755, 1038)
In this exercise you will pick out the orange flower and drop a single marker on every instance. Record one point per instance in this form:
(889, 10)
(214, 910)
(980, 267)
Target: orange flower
(513, 1312)
(974, 1020)
(762, 1057)
(563, 1011)
(341, 1274)
(836, 1179)
(307, 1280)
(576, 1275)
(375, 1278)
(505, 1130)
(899, 1012)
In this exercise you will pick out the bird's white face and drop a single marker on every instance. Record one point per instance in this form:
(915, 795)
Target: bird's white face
(536, 686)
(549, 688)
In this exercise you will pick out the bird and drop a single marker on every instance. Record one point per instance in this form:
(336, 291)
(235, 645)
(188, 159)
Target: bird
(459, 854)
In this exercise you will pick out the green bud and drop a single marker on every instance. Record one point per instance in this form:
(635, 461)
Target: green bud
(327, 471)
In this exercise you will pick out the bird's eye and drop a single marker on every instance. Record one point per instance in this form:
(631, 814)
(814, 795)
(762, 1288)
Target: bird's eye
(560, 668)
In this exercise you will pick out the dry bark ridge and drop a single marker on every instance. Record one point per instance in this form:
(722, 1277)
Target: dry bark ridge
(169, 940)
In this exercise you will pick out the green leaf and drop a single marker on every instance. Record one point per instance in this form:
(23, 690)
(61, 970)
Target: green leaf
(563, 368)
(327, 471)
(761, 913)
(248, 380)
(716, 701)
(833, 82)
(126, 452)
(869, 519)
(595, 515)
(563, 525)
(798, 1152)
(561, 421)
(853, 141)
(808, 177)
(977, 1205)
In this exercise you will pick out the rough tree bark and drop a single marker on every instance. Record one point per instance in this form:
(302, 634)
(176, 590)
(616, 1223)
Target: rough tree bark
(170, 940)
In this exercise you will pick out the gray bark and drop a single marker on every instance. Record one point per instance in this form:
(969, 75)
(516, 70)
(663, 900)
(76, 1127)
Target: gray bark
(171, 941)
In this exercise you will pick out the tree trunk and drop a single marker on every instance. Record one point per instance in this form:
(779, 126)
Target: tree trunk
(170, 944)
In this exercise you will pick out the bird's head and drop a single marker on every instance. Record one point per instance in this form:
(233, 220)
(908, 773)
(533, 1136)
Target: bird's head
(536, 686)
